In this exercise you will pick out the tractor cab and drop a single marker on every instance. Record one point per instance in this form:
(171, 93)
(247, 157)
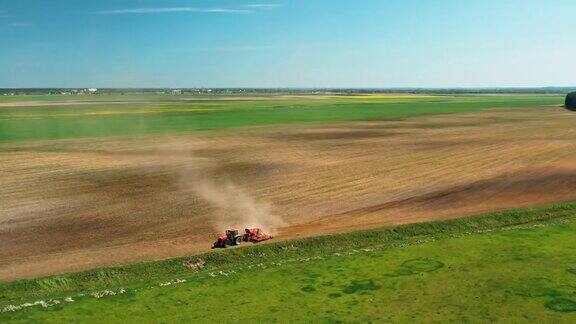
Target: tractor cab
(231, 233)
(230, 238)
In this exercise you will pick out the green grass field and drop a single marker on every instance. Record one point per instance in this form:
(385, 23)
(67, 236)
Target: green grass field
(509, 266)
(164, 114)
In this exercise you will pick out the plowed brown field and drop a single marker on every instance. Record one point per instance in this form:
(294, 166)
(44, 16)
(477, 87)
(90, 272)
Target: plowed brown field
(78, 204)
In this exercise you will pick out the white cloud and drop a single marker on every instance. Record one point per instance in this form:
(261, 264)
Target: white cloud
(178, 9)
(262, 6)
(233, 48)
(21, 24)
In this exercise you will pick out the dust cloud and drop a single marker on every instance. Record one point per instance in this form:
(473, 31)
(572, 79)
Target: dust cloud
(234, 205)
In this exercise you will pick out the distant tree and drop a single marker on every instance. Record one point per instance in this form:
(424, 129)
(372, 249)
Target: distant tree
(571, 101)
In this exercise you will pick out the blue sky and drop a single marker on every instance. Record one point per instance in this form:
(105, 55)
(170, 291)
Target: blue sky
(287, 43)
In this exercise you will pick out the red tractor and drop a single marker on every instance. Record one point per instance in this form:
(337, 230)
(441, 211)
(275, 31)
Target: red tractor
(232, 237)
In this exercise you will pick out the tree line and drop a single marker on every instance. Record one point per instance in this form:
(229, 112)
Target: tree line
(571, 101)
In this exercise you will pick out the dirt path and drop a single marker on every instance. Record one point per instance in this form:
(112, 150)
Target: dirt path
(74, 205)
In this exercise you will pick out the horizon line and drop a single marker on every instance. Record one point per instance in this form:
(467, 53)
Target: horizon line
(304, 88)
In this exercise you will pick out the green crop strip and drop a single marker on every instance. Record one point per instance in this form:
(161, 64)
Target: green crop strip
(104, 120)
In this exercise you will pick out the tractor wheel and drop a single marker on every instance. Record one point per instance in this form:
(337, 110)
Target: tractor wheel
(238, 240)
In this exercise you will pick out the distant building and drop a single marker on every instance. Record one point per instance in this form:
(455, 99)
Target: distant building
(176, 91)
(91, 90)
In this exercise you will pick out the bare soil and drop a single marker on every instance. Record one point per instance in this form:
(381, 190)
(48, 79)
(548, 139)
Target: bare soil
(71, 205)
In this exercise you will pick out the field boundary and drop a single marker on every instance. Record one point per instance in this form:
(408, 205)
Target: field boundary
(211, 262)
